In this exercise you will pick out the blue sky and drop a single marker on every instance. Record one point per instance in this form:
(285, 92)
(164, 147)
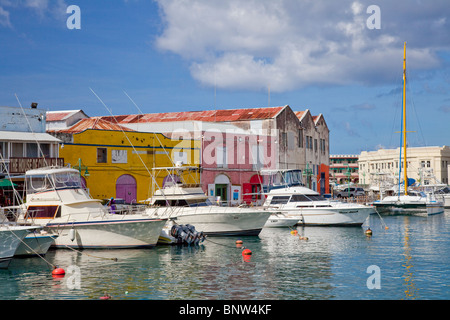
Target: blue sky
(174, 55)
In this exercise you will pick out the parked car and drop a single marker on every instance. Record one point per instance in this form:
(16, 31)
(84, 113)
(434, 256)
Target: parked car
(350, 192)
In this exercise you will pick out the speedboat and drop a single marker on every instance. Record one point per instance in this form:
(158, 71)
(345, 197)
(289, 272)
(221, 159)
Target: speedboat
(56, 200)
(286, 193)
(190, 205)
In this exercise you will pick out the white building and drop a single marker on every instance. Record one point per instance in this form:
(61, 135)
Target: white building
(423, 164)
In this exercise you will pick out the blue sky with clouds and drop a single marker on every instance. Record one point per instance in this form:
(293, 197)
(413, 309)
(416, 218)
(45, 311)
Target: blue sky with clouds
(175, 55)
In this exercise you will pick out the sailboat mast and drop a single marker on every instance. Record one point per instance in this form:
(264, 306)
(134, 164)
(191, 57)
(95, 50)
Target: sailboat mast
(404, 122)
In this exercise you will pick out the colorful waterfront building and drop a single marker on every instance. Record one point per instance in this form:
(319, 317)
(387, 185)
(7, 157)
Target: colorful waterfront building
(115, 161)
(238, 143)
(344, 169)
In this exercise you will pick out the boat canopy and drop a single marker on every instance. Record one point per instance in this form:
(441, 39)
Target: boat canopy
(49, 179)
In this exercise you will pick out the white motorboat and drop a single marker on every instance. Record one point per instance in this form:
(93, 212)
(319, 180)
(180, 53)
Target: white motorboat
(36, 242)
(11, 236)
(285, 193)
(190, 205)
(56, 200)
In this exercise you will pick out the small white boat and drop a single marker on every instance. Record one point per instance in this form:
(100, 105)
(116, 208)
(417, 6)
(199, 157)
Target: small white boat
(279, 220)
(56, 200)
(192, 206)
(11, 237)
(35, 243)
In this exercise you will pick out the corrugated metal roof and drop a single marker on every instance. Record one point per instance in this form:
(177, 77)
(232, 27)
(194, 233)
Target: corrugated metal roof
(209, 115)
(98, 123)
(60, 115)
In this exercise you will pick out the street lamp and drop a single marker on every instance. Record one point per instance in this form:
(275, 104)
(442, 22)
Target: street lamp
(82, 167)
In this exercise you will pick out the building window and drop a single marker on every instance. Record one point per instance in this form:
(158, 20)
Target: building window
(17, 150)
(102, 155)
(300, 138)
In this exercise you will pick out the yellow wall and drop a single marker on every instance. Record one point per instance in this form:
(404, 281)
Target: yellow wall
(138, 148)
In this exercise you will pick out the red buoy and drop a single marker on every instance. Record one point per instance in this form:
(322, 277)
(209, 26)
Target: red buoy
(58, 272)
(105, 297)
(246, 252)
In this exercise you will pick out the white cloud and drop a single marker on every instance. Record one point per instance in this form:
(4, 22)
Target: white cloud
(4, 18)
(288, 44)
(56, 9)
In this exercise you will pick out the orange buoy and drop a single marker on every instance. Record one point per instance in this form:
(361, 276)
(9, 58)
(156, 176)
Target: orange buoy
(368, 232)
(294, 232)
(246, 252)
(239, 242)
(58, 272)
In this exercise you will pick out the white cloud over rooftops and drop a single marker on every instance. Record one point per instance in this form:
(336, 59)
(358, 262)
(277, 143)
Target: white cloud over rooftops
(289, 44)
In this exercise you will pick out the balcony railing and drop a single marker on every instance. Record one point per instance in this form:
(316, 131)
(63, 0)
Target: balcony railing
(21, 165)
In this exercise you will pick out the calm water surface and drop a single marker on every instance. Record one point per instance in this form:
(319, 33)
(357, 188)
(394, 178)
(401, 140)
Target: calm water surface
(412, 257)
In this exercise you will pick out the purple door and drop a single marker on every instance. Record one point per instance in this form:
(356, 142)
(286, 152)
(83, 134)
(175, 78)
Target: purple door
(126, 188)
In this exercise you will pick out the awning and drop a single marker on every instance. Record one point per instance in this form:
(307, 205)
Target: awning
(5, 183)
(27, 137)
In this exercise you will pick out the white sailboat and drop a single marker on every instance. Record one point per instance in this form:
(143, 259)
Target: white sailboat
(285, 193)
(56, 200)
(406, 201)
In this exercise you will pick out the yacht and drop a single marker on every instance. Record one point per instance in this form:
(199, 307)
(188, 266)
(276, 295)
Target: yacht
(56, 200)
(286, 193)
(190, 205)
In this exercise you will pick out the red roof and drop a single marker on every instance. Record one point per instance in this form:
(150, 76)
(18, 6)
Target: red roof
(60, 115)
(94, 123)
(210, 116)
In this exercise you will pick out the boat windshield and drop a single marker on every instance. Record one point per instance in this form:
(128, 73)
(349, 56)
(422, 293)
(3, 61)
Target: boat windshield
(306, 197)
(278, 179)
(44, 182)
(182, 203)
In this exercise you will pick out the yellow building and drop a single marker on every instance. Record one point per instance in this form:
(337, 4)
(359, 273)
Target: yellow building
(119, 163)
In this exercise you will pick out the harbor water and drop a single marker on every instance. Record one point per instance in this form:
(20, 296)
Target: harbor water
(409, 260)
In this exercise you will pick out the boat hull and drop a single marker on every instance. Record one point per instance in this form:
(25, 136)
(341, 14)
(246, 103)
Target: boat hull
(35, 244)
(332, 216)
(10, 239)
(107, 234)
(225, 221)
(276, 221)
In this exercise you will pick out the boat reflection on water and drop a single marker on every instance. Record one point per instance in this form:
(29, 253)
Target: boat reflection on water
(409, 277)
